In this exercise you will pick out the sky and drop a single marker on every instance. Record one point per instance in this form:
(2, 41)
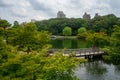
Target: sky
(25, 10)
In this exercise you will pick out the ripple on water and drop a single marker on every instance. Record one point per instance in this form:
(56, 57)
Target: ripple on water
(97, 70)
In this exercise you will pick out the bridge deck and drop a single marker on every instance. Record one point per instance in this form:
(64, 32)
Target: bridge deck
(77, 52)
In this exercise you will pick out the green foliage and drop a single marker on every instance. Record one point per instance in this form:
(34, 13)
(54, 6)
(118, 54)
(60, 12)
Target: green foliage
(103, 23)
(4, 24)
(82, 35)
(56, 25)
(107, 58)
(16, 65)
(12, 33)
(30, 39)
(37, 66)
(114, 49)
(16, 24)
(81, 30)
(98, 39)
(97, 24)
(67, 31)
(115, 38)
(5, 51)
(1, 32)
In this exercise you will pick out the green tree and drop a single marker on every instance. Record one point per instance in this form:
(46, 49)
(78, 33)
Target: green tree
(114, 49)
(16, 24)
(1, 32)
(56, 25)
(30, 39)
(4, 24)
(67, 31)
(12, 33)
(16, 66)
(103, 23)
(98, 39)
(3, 50)
(81, 30)
(43, 67)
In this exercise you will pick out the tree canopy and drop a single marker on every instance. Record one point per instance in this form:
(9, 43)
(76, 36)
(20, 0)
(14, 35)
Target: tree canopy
(56, 25)
(29, 38)
(114, 49)
(81, 30)
(97, 24)
(38, 65)
(67, 31)
(4, 24)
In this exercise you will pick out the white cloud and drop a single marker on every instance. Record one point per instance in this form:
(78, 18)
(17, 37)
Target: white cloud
(25, 10)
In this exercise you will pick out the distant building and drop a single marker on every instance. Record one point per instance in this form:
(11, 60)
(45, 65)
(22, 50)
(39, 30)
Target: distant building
(86, 16)
(60, 14)
(96, 15)
(23, 24)
(33, 20)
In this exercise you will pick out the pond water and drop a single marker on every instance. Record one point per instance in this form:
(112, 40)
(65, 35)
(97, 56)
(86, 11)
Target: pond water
(94, 70)
(97, 70)
(69, 43)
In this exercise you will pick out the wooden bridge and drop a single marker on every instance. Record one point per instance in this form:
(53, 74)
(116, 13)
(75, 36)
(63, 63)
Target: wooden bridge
(83, 52)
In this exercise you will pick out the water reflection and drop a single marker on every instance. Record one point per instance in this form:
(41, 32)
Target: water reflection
(117, 69)
(69, 43)
(98, 70)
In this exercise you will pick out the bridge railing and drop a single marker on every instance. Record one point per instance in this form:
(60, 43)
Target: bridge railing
(82, 51)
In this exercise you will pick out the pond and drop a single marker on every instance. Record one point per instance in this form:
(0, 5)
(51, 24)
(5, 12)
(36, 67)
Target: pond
(69, 43)
(92, 70)
(97, 70)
